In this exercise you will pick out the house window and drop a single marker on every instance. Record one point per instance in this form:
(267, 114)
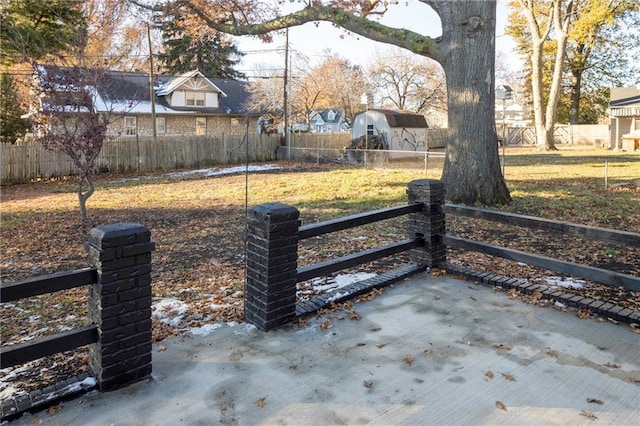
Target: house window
(161, 125)
(201, 125)
(130, 126)
(370, 129)
(194, 99)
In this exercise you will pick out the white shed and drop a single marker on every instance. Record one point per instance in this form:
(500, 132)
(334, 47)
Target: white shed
(404, 131)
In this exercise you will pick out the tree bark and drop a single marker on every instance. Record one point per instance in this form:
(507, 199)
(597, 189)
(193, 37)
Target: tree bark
(472, 173)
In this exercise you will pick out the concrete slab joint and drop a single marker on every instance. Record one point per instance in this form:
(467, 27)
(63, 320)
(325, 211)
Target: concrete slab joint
(120, 303)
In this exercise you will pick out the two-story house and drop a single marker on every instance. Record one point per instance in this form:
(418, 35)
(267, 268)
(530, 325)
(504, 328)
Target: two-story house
(188, 104)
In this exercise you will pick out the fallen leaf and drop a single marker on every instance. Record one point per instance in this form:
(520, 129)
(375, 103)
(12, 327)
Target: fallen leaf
(588, 415)
(436, 297)
(381, 345)
(508, 377)
(427, 352)
(613, 321)
(473, 298)
(354, 316)
(261, 402)
(293, 367)
(53, 409)
(375, 329)
(326, 325)
(501, 347)
(360, 344)
(611, 365)
(367, 384)
(408, 360)
(536, 295)
(594, 401)
(585, 313)
(501, 406)
(162, 348)
(489, 374)
(303, 322)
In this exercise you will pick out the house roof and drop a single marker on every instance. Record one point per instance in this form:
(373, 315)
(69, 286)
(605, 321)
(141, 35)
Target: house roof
(625, 101)
(622, 96)
(403, 119)
(325, 114)
(129, 92)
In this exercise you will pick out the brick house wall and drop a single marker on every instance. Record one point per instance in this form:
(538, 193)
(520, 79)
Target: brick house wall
(185, 125)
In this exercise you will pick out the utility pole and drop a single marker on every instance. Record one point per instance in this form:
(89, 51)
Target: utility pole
(286, 90)
(152, 95)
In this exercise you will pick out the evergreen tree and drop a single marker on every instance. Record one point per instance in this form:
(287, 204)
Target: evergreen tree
(190, 48)
(32, 29)
(12, 126)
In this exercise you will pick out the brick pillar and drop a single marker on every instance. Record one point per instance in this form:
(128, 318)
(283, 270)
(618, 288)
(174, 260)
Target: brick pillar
(429, 223)
(120, 303)
(272, 261)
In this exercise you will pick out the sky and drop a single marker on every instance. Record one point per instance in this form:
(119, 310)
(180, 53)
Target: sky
(314, 41)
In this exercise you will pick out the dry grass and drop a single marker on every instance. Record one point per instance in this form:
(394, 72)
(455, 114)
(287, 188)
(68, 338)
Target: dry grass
(197, 223)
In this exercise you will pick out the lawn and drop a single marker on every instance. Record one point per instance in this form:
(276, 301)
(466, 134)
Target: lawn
(197, 223)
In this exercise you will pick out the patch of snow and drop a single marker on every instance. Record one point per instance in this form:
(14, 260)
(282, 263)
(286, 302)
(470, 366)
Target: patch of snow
(566, 282)
(522, 264)
(559, 305)
(226, 171)
(170, 311)
(205, 330)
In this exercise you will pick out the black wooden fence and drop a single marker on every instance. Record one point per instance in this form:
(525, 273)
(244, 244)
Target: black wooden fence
(119, 307)
(274, 231)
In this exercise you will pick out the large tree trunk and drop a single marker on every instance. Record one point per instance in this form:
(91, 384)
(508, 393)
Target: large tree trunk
(472, 173)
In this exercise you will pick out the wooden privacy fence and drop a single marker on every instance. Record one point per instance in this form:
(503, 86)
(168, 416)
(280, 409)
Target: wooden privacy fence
(274, 231)
(119, 309)
(29, 160)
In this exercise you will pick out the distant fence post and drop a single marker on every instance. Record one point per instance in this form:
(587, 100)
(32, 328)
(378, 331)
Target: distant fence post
(272, 258)
(120, 303)
(429, 223)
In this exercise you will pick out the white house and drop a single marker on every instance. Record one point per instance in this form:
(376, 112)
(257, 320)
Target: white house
(624, 112)
(404, 131)
(329, 121)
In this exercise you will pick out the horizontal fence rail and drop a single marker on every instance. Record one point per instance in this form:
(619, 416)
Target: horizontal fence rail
(334, 265)
(45, 346)
(603, 276)
(346, 222)
(47, 284)
(119, 307)
(566, 228)
(37, 348)
(274, 231)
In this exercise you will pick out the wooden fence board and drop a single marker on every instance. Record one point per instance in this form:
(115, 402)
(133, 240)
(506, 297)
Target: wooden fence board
(29, 160)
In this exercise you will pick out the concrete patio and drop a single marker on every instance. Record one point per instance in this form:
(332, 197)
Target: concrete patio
(427, 351)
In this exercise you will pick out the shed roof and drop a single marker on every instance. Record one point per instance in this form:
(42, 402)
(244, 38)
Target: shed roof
(403, 119)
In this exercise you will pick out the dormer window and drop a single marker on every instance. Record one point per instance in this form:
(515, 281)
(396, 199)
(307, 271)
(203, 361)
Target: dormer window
(194, 99)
